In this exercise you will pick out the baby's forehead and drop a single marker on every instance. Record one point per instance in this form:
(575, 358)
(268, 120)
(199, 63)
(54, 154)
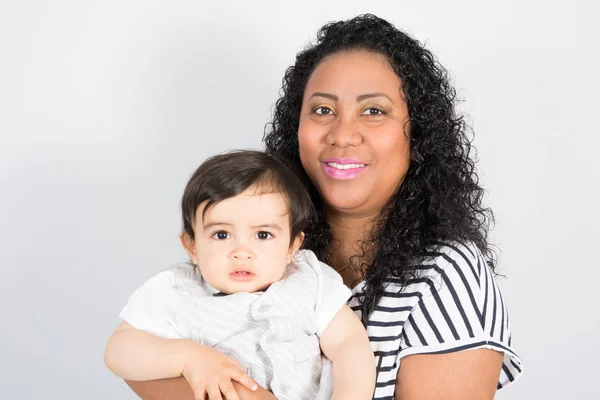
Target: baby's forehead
(252, 204)
(264, 187)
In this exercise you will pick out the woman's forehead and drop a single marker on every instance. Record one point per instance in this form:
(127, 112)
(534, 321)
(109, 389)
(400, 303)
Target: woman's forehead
(357, 72)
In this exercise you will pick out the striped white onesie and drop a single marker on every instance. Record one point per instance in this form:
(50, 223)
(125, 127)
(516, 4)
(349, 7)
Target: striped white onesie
(273, 334)
(455, 304)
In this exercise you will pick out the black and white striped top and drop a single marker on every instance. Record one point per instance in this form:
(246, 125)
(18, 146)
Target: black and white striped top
(455, 304)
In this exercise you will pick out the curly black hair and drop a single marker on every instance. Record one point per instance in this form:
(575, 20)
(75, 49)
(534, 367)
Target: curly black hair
(440, 199)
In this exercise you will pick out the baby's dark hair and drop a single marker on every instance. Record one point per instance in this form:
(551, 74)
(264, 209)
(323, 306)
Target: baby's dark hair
(226, 175)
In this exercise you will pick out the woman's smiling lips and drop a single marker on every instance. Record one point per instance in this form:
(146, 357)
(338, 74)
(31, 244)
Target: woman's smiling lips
(343, 168)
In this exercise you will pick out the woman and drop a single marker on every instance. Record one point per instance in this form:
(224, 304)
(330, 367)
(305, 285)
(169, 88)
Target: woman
(367, 119)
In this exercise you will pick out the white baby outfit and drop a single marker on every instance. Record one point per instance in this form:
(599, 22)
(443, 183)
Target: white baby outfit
(273, 334)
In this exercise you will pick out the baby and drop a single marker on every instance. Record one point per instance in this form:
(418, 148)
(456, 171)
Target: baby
(250, 303)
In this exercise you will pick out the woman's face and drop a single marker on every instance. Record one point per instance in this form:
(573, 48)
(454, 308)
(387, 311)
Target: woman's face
(353, 133)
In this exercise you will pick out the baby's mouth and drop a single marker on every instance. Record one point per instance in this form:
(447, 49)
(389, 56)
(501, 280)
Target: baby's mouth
(241, 275)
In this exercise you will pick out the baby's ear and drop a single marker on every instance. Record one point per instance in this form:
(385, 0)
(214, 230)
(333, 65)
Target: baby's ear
(188, 244)
(295, 246)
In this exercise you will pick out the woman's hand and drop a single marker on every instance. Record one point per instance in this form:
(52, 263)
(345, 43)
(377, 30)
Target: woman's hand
(210, 372)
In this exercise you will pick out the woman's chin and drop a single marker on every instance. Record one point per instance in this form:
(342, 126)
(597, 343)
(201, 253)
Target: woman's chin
(346, 203)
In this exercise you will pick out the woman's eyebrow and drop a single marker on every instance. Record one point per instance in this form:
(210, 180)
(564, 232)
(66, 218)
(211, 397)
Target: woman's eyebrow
(371, 95)
(358, 98)
(326, 95)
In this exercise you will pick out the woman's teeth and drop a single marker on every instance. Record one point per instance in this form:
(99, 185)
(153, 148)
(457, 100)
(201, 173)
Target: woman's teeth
(345, 166)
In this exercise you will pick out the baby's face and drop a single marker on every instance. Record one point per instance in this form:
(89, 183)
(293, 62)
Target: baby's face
(242, 244)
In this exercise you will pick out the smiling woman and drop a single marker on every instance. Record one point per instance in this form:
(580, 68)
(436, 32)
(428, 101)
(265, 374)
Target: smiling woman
(354, 126)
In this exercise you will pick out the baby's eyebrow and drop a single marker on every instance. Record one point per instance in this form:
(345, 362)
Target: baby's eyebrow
(216, 223)
(227, 224)
(272, 226)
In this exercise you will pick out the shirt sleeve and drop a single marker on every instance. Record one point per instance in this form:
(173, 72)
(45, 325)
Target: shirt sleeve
(153, 307)
(332, 294)
(461, 308)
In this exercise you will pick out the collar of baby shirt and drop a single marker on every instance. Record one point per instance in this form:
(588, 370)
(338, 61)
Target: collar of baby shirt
(217, 293)
(209, 289)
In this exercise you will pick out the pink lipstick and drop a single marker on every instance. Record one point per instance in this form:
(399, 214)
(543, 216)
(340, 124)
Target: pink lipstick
(343, 168)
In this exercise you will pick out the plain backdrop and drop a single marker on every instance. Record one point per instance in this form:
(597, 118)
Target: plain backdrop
(106, 107)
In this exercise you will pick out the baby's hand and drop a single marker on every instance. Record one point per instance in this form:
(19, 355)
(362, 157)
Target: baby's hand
(209, 372)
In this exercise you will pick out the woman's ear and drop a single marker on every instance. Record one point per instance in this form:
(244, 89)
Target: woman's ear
(295, 246)
(188, 244)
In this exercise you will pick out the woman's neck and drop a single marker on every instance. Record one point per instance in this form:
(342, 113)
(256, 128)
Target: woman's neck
(349, 233)
(351, 228)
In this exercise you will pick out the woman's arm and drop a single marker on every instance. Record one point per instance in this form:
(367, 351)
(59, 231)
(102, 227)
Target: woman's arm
(179, 389)
(463, 375)
(432, 365)
(162, 389)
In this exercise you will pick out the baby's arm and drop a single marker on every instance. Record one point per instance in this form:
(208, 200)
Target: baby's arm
(149, 343)
(137, 355)
(346, 344)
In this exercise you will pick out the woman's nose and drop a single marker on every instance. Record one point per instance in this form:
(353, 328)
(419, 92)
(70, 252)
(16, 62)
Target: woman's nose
(345, 132)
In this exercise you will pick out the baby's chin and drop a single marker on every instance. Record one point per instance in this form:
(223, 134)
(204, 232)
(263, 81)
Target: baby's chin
(244, 287)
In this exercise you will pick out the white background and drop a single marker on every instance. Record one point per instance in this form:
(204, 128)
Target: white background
(106, 108)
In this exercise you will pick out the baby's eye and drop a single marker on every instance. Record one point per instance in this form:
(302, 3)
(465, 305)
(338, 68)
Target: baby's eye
(221, 235)
(263, 235)
(373, 111)
(323, 110)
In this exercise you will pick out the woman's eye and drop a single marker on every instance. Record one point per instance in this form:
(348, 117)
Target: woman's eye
(373, 111)
(263, 235)
(221, 235)
(323, 110)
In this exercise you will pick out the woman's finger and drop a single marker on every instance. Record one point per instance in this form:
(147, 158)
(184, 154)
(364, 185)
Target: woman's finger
(240, 376)
(227, 389)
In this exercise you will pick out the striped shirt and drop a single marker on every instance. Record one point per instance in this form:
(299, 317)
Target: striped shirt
(454, 304)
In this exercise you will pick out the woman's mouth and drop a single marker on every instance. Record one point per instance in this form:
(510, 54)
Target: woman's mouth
(343, 169)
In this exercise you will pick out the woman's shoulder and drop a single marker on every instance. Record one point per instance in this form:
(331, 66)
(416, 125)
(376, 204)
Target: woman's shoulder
(447, 272)
(442, 261)
(453, 260)
(449, 252)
